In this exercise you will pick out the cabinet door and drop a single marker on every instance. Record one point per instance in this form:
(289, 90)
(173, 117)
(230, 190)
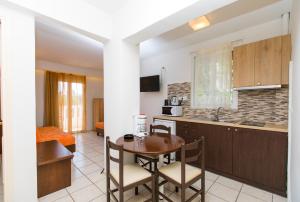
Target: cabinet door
(286, 58)
(261, 157)
(219, 149)
(268, 62)
(243, 65)
(183, 130)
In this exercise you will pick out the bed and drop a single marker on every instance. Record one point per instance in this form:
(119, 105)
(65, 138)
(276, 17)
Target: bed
(99, 128)
(44, 134)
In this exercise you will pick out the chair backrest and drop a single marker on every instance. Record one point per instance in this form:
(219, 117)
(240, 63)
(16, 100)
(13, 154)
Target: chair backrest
(111, 146)
(154, 128)
(197, 150)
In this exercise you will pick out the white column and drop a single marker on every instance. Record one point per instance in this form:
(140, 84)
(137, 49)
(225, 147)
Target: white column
(294, 135)
(121, 87)
(18, 105)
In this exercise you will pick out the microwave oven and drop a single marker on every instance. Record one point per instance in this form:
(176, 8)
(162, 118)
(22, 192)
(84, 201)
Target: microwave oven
(172, 110)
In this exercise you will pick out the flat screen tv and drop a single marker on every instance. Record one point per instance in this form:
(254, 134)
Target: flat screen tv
(149, 83)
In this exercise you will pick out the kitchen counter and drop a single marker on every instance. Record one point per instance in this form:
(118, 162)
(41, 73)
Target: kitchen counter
(267, 127)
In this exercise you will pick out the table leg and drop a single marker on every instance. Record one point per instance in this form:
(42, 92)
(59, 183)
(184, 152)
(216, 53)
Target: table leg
(156, 182)
(160, 164)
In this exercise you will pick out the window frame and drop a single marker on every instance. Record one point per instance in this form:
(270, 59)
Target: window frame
(234, 94)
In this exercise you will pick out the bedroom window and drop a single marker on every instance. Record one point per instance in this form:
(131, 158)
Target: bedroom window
(65, 98)
(71, 104)
(211, 85)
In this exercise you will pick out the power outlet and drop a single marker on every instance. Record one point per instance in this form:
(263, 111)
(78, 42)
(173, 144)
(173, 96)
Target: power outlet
(184, 98)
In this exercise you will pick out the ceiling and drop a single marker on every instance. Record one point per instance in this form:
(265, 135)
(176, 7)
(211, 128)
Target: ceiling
(237, 16)
(61, 45)
(233, 10)
(108, 6)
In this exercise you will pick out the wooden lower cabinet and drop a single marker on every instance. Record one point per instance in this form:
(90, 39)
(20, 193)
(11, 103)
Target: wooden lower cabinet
(218, 148)
(255, 157)
(218, 141)
(261, 157)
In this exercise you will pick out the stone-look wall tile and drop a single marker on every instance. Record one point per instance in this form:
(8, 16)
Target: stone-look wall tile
(268, 105)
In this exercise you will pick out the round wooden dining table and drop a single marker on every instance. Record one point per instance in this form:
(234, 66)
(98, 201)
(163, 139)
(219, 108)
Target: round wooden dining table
(154, 145)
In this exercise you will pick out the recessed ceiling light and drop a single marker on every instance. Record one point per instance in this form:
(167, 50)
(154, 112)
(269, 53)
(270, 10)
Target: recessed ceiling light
(199, 23)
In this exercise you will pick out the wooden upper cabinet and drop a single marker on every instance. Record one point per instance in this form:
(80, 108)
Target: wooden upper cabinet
(243, 65)
(262, 63)
(268, 62)
(285, 58)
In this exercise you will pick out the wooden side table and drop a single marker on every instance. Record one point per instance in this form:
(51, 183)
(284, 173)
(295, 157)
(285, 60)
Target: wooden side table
(53, 167)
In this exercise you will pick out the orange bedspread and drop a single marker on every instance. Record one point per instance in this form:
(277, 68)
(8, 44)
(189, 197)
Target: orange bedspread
(100, 125)
(44, 134)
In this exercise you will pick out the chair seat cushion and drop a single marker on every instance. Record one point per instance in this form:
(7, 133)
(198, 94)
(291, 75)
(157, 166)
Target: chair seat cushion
(173, 171)
(132, 173)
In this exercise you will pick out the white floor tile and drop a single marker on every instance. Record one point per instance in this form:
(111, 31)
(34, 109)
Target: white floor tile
(247, 198)
(229, 183)
(211, 176)
(100, 199)
(258, 193)
(83, 163)
(90, 169)
(86, 194)
(102, 185)
(97, 158)
(224, 192)
(277, 198)
(65, 199)
(54, 196)
(211, 198)
(96, 176)
(92, 154)
(79, 183)
(76, 173)
(208, 184)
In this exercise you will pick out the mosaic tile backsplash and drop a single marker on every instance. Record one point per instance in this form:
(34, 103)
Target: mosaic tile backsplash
(268, 105)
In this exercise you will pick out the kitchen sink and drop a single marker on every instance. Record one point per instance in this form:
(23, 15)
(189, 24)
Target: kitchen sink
(203, 118)
(253, 123)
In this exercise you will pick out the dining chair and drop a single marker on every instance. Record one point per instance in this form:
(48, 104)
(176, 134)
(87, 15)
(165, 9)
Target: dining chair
(184, 175)
(149, 159)
(155, 128)
(124, 176)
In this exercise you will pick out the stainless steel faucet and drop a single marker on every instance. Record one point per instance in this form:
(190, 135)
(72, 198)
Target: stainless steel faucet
(218, 113)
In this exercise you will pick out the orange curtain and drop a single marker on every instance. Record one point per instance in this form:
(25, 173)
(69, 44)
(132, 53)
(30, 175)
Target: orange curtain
(51, 117)
(71, 102)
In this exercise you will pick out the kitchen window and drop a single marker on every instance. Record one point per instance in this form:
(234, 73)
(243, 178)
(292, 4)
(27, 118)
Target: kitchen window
(212, 78)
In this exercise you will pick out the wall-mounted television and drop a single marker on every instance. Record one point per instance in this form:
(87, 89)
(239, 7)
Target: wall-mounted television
(149, 83)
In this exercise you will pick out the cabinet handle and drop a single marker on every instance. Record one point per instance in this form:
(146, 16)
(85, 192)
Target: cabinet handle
(258, 83)
(235, 130)
(228, 129)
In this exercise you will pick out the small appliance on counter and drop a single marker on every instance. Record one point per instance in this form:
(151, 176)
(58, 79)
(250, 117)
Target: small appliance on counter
(172, 107)
(172, 110)
(140, 126)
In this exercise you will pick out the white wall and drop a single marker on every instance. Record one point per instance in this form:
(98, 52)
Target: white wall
(94, 88)
(178, 64)
(295, 111)
(18, 105)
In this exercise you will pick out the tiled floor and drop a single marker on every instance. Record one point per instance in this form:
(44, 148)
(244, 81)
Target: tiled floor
(88, 184)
